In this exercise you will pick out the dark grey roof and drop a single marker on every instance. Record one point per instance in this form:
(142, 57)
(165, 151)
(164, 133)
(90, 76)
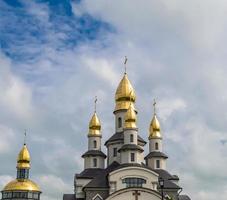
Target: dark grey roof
(101, 180)
(184, 197)
(69, 197)
(94, 153)
(156, 154)
(90, 173)
(99, 176)
(120, 137)
(168, 184)
(130, 147)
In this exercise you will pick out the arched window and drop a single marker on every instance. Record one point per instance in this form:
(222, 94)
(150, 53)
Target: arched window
(134, 182)
(157, 164)
(132, 157)
(156, 146)
(94, 162)
(119, 122)
(131, 138)
(95, 144)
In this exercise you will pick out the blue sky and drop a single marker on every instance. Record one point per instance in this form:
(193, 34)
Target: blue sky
(57, 55)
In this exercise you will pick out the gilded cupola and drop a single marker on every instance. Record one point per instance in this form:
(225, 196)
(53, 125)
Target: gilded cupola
(155, 130)
(23, 159)
(22, 185)
(125, 94)
(94, 125)
(130, 117)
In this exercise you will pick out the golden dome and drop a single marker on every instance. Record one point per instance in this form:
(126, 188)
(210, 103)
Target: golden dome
(94, 126)
(130, 117)
(155, 128)
(23, 159)
(125, 94)
(21, 185)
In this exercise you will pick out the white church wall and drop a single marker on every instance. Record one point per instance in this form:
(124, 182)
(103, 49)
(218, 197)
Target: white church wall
(91, 143)
(133, 172)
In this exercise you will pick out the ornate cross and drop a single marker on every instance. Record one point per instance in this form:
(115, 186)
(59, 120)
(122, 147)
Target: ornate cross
(136, 194)
(25, 134)
(154, 104)
(96, 102)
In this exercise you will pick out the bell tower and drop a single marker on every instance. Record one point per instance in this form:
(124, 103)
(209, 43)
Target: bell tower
(156, 159)
(94, 157)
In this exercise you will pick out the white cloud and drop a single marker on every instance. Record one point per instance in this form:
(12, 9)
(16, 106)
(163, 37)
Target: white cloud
(15, 95)
(53, 186)
(7, 139)
(4, 179)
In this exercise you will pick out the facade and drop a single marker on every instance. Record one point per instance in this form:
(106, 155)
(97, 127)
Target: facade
(22, 187)
(128, 173)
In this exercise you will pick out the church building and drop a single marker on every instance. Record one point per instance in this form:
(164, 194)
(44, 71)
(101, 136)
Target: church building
(22, 188)
(125, 173)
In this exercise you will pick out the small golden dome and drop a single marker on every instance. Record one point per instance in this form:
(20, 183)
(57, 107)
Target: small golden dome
(130, 117)
(155, 130)
(21, 185)
(125, 94)
(94, 126)
(23, 159)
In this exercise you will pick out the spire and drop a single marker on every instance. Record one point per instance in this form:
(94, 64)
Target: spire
(125, 92)
(155, 125)
(94, 125)
(23, 159)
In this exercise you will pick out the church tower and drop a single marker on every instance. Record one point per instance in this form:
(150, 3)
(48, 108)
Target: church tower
(94, 157)
(156, 159)
(131, 152)
(124, 98)
(22, 187)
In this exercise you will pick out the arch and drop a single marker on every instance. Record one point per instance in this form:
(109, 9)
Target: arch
(131, 138)
(119, 121)
(125, 193)
(94, 162)
(156, 146)
(95, 144)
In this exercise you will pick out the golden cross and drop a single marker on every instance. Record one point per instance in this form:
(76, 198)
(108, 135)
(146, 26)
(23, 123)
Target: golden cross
(125, 62)
(95, 103)
(25, 134)
(154, 105)
(136, 194)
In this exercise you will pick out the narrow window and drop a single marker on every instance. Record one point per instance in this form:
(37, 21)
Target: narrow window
(95, 144)
(132, 157)
(156, 146)
(95, 162)
(114, 152)
(119, 122)
(131, 138)
(157, 164)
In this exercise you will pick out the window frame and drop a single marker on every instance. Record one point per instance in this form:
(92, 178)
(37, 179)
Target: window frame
(119, 122)
(132, 157)
(158, 164)
(115, 152)
(95, 162)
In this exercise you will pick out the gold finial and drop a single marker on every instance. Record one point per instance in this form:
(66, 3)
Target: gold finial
(96, 103)
(155, 130)
(25, 135)
(125, 62)
(154, 105)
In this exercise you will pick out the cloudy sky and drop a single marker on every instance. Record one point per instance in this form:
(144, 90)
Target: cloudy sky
(57, 55)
